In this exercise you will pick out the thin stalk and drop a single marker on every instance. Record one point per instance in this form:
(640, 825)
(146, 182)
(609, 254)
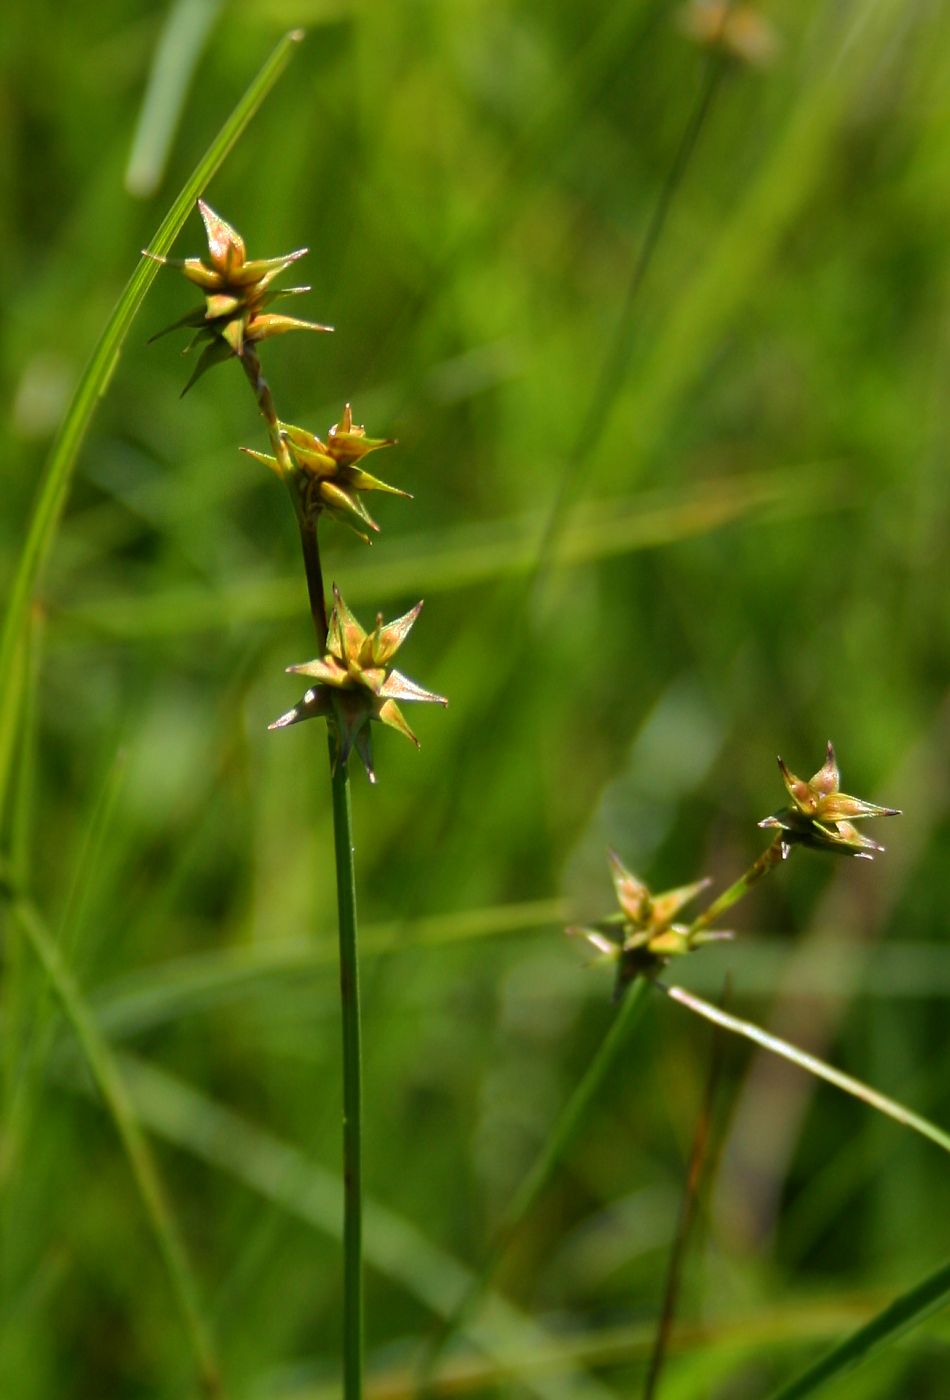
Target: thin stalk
(346, 909)
(770, 857)
(352, 1084)
(558, 1141)
(288, 470)
(807, 1062)
(111, 1086)
(695, 1171)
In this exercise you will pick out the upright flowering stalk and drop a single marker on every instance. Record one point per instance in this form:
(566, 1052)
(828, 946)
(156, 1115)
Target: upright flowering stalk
(354, 681)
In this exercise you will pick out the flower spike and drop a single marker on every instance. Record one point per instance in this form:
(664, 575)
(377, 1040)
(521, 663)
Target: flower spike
(355, 684)
(329, 475)
(821, 816)
(237, 292)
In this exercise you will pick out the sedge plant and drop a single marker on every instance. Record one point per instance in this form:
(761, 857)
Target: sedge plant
(353, 683)
(641, 939)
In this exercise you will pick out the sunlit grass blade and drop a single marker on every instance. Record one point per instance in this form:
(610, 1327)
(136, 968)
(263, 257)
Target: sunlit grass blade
(558, 1140)
(109, 1081)
(394, 1246)
(49, 503)
(776, 1046)
(911, 1308)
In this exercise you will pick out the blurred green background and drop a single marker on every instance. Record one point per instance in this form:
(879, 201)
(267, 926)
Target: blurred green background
(751, 559)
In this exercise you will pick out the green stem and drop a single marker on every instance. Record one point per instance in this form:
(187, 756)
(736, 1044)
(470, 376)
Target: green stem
(346, 908)
(352, 1084)
(290, 474)
(696, 1168)
(111, 1086)
(772, 855)
(807, 1062)
(555, 1146)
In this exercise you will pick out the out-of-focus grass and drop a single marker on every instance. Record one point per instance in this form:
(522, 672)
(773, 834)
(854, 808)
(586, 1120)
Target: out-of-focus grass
(753, 562)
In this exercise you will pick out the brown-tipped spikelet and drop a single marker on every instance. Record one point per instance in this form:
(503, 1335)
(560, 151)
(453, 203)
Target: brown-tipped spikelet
(642, 937)
(355, 683)
(736, 31)
(237, 290)
(821, 816)
(330, 476)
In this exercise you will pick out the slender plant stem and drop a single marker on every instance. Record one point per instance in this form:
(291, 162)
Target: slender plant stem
(288, 470)
(695, 1171)
(111, 1085)
(786, 1051)
(556, 1144)
(772, 855)
(352, 1084)
(346, 909)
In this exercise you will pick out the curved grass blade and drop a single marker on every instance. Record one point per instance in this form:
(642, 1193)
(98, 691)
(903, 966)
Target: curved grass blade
(773, 1043)
(111, 1086)
(886, 1326)
(52, 493)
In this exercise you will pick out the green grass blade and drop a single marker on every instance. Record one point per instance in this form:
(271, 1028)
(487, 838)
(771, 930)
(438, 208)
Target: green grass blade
(111, 1085)
(180, 46)
(776, 1046)
(93, 384)
(905, 1312)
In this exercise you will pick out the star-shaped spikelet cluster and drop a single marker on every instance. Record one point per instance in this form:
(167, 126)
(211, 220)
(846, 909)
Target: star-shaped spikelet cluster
(643, 936)
(331, 478)
(237, 291)
(821, 816)
(355, 683)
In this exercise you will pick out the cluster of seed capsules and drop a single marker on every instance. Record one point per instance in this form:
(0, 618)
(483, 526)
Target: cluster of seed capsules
(355, 683)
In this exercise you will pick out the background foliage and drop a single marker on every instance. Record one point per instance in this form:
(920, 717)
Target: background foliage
(752, 560)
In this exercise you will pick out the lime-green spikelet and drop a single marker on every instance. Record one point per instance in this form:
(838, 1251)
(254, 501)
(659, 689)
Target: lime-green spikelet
(331, 478)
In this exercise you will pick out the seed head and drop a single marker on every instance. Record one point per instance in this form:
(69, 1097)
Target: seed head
(355, 683)
(821, 816)
(329, 476)
(237, 292)
(642, 937)
(737, 31)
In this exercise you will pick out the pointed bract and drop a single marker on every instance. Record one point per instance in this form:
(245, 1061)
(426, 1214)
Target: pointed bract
(821, 816)
(328, 479)
(643, 936)
(354, 683)
(237, 290)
